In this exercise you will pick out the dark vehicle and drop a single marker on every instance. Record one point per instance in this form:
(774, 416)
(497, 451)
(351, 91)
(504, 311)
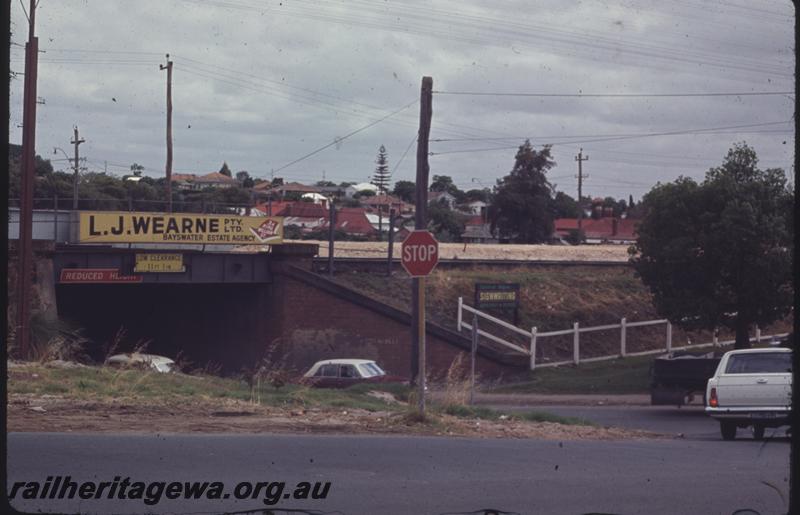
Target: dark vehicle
(678, 376)
(341, 373)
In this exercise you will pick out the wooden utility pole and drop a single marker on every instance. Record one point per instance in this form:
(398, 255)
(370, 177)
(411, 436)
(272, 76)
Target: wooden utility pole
(580, 159)
(331, 228)
(77, 141)
(421, 223)
(168, 67)
(391, 243)
(27, 166)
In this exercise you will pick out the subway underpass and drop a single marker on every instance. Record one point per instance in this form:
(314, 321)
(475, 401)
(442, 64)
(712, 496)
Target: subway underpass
(209, 325)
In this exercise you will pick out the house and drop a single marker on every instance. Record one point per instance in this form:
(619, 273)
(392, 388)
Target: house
(317, 198)
(384, 203)
(602, 230)
(306, 215)
(476, 207)
(477, 230)
(443, 197)
(350, 191)
(334, 192)
(272, 208)
(353, 220)
(213, 180)
(183, 181)
(262, 189)
(294, 187)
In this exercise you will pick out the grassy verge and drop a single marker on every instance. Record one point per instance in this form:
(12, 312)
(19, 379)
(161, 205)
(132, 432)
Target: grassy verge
(148, 388)
(530, 416)
(619, 376)
(136, 385)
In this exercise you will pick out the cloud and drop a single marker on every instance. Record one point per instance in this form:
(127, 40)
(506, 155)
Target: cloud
(263, 84)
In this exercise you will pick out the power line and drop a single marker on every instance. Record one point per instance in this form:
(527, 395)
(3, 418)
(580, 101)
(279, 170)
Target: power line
(610, 135)
(615, 95)
(338, 140)
(410, 143)
(646, 135)
(478, 29)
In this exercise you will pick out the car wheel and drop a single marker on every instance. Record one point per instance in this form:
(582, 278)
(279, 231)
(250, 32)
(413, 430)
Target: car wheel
(758, 432)
(728, 430)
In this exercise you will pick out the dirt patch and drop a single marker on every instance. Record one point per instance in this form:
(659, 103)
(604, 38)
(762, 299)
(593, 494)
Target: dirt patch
(47, 413)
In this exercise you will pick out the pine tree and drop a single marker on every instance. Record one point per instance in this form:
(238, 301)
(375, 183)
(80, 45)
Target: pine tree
(225, 170)
(382, 174)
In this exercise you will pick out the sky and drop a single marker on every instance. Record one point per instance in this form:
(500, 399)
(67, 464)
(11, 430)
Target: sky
(262, 84)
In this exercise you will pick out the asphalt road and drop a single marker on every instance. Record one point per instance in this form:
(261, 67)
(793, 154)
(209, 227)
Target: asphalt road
(689, 421)
(405, 475)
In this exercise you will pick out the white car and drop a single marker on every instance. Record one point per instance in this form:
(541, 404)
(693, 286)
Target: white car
(147, 361)
(341, 373)
(751, 387)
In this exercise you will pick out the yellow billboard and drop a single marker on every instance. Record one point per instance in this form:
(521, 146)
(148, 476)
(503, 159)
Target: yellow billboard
(133, 227)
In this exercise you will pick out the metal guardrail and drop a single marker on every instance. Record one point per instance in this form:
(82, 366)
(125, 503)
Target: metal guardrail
(576, 331)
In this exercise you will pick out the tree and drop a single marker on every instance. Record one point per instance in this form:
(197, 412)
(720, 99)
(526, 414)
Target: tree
(405, 190)
(720, 253)
(565, 206)
(442, 183)
(364, 194)
(446, 224)
(522, 207)
(325, 184)
(244, 179)
(482, 195)
(382, 174)
(225, 170)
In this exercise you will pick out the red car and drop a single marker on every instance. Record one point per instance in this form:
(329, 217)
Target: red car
(341, 373)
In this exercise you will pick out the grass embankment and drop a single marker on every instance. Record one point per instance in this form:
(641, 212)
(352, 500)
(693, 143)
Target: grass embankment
(143, 388)
(552, 298)
(614, 377)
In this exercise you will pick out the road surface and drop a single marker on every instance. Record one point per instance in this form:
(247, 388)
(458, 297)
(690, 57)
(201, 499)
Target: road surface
(689, 421)
(424, 475)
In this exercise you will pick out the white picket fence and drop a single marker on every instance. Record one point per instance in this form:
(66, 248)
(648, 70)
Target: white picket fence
(533, 336)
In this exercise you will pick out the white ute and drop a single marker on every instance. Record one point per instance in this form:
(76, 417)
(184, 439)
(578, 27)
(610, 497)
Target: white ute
(751, 387)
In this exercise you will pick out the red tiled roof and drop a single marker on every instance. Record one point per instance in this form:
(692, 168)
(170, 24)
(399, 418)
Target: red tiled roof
(215, 177)
(565, 224)
(266, 185)
(353, 220)
(296, 186)
(277, 207)
(183, 176)
(302, 210)
(602, 228)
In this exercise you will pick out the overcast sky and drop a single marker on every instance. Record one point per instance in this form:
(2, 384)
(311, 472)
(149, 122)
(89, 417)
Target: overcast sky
(259, 84)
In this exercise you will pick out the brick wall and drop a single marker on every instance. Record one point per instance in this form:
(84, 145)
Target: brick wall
(315, 324)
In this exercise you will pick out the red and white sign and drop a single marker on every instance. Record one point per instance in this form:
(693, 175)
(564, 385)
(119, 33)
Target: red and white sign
(96, 275)
(420, 253)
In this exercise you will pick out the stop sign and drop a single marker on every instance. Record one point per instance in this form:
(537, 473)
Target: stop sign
(420, 253)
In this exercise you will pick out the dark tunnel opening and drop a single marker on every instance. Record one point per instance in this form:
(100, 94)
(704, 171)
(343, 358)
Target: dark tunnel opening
(211, 324)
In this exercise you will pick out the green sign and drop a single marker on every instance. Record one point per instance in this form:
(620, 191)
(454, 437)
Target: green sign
(496, 295)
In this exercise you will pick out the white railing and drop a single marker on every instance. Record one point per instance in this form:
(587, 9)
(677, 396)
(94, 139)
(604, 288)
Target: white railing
(534, 335)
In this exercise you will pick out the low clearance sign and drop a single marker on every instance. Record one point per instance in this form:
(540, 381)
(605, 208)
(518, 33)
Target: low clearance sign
(125, 227)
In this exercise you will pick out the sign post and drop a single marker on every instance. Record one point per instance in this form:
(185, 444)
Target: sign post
(419, 256)
(473, 351)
